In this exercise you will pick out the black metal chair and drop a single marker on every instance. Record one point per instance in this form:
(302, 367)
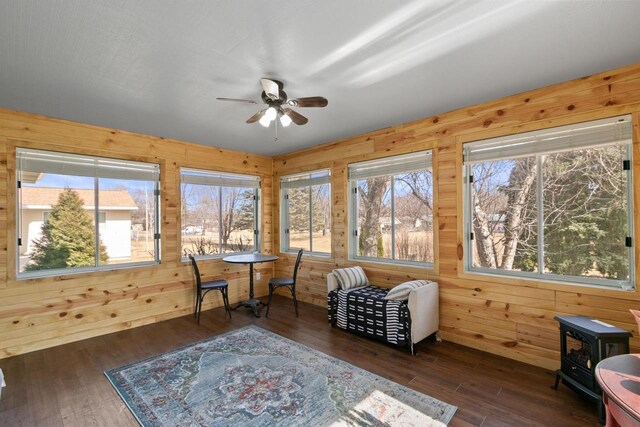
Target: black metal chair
(203, 288)
(289, 282)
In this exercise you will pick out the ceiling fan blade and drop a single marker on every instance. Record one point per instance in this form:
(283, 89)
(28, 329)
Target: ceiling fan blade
(271, 88)
(297, 118)
(311, 101)
(257, 116)
(248, 101)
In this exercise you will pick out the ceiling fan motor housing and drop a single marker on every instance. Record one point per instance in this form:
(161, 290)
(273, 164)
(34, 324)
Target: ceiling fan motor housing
(274, 102)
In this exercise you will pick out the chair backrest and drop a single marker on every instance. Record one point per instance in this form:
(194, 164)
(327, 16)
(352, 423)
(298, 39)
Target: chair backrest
(295, 268)
(196, 271)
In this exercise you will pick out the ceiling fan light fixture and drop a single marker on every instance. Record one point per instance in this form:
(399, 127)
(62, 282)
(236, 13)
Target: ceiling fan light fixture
(274, 99)
(271, 113)
(285, 120)
(265, 121)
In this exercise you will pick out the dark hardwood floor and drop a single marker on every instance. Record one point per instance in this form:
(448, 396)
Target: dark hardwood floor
(65, 385)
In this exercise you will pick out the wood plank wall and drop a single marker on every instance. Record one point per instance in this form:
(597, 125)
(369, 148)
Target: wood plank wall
(44, 312)
(509, 317)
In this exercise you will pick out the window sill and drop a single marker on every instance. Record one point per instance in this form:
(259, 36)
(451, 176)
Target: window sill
(546, 281)
(306, 254)
(214, 256)
(38, 274)
(393, 262)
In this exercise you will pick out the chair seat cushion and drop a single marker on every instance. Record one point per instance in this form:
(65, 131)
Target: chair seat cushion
(281, 281)
(214, 284)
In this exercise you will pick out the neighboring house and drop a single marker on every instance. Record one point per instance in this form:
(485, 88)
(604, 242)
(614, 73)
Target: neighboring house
(497, 222)
(425, 222)
(385, 223)
(116, 207)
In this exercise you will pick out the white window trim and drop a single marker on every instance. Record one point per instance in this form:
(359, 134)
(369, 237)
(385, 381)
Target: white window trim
(227, 180)
(391, 169)
(625, 285)
(111, 165)
(291, 181)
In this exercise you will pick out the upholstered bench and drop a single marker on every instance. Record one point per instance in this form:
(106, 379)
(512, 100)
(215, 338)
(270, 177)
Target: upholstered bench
(365, 309)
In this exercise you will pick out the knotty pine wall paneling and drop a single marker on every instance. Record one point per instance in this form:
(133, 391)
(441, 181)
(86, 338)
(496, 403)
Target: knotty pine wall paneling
(505, 316)
(510, 317)
(43, 312)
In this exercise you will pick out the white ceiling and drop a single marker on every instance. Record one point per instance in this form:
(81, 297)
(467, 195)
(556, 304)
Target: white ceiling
(156, 67)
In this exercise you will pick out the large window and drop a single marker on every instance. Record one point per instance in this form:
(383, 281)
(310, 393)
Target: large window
(553, 204)
(61, 198)
(306, 212)
(219, 213)
(391, 209)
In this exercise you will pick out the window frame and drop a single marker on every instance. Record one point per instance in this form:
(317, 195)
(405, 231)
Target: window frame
(56, 272)
(257, 231)
(540, 275)
(353, 207)
(284, 212)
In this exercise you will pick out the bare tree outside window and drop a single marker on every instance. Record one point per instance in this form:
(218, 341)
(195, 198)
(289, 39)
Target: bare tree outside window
(395, 215)
(237, 223)
(321, 206)
(219, 214)
(413, 201)
(374, 216)
(584, 213)
(200, 219)
(504, 214)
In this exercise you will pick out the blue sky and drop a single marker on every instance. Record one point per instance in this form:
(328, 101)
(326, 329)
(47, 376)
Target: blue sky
(81, 182)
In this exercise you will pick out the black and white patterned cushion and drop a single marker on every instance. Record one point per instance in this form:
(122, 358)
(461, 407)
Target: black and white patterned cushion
(351, 277)
(402, 291)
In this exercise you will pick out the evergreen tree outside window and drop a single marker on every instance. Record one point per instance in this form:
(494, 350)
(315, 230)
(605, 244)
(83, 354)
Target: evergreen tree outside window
(554, 204)
(61, 199)
(68, 237)
(219, 213)
(305, 217)
(391, 209)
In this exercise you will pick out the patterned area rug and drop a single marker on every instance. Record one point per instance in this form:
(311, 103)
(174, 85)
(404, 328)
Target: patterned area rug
(253, 377)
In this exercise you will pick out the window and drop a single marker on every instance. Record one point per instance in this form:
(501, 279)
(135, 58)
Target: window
(219, 213)
(61, 198)
(306, 212)
(391, 209)
(553, 204)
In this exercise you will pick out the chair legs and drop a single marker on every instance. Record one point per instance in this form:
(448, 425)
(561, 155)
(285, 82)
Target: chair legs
(269, 301)
(295, 300)
(225, 298)
(200, 297)
(195, 308)
(293, 296)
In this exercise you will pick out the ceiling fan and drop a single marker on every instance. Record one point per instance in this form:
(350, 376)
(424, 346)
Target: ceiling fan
(278, 105)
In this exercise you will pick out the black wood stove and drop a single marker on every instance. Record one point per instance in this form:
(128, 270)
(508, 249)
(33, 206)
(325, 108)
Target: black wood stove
(583, 343)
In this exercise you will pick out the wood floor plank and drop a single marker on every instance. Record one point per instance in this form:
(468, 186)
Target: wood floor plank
(66, 386)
